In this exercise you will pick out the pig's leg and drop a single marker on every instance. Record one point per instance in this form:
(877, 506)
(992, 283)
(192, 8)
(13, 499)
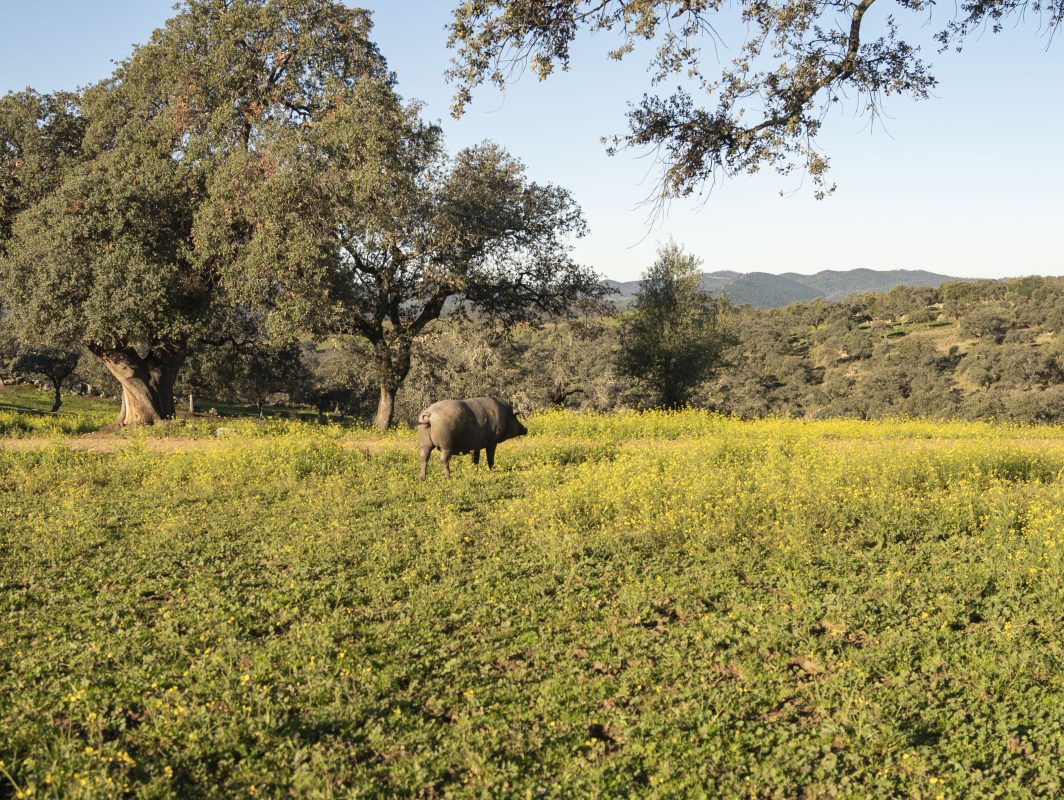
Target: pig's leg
(476, 456)
(424, 453)
(490, 450)
(445, 459)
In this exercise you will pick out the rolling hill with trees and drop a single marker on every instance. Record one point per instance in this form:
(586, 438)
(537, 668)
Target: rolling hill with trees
(766, 290)
(967, 349)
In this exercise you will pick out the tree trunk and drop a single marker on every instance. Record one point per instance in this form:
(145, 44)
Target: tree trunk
(385, 408)
(58, 397)
(191, 405)
(147, 384)
(163, 373)
(393, 364)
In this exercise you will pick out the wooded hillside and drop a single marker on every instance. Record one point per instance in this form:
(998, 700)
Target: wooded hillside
(766, 290)
(965, 349)
(971, 349)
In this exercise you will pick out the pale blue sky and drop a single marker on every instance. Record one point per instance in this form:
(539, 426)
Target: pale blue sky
(968, 183)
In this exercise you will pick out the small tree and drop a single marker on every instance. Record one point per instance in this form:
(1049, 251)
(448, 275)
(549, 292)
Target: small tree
(54, 364)
(672, 340)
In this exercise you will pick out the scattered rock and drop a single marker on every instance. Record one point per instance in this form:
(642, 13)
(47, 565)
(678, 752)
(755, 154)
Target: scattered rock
(805, 664)
(730, 671)
(828, 628)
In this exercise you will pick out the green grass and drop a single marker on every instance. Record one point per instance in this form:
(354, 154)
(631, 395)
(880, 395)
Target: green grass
(25, 413)
(29, 399)
(657, 605)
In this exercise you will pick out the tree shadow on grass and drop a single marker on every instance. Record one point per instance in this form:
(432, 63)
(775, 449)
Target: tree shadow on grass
(21, 409)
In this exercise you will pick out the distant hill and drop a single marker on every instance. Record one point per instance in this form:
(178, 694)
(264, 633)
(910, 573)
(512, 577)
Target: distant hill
(839, 284)
(764, 290)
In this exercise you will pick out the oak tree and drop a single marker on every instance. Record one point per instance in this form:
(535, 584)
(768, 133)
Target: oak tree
(128, 253)
(54, 364)
(374, 229)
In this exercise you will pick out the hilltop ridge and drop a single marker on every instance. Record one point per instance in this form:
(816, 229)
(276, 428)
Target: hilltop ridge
(765, 290)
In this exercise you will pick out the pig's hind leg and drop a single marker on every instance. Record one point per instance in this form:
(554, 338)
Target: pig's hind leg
(424, 452)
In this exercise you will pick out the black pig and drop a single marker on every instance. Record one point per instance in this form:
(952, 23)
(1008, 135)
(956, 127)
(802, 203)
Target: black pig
(465, 426)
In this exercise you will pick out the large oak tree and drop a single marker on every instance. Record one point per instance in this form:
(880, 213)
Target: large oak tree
(125, 248)
(372, 230)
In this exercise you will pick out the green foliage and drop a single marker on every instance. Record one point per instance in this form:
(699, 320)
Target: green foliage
(40, 136)
(672, 338)
(125, 247)
(248, 373)
(371, 228)
(105, 259)
(338, 376)
(568, 363)
(642, 604)
(966, 349)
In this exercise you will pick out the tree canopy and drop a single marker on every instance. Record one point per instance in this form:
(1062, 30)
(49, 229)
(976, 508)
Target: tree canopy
(762, 109)
(368, 227)
(40, 136)
(123, 246)
(673, 338)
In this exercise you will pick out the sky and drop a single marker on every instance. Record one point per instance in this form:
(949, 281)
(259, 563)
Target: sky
(968, 183)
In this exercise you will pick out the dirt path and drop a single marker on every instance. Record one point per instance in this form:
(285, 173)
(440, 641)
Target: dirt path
(111, 442)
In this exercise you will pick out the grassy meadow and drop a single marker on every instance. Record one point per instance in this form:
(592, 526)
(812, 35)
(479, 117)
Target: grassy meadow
(650, 604)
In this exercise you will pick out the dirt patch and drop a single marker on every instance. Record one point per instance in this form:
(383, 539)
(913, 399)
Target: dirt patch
(106, 443)
(109, 442)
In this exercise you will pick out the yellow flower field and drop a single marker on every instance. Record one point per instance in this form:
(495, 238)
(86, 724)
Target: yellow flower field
(658, 604)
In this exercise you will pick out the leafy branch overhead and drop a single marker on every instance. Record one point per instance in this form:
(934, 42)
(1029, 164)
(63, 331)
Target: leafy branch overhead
(762, 109)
